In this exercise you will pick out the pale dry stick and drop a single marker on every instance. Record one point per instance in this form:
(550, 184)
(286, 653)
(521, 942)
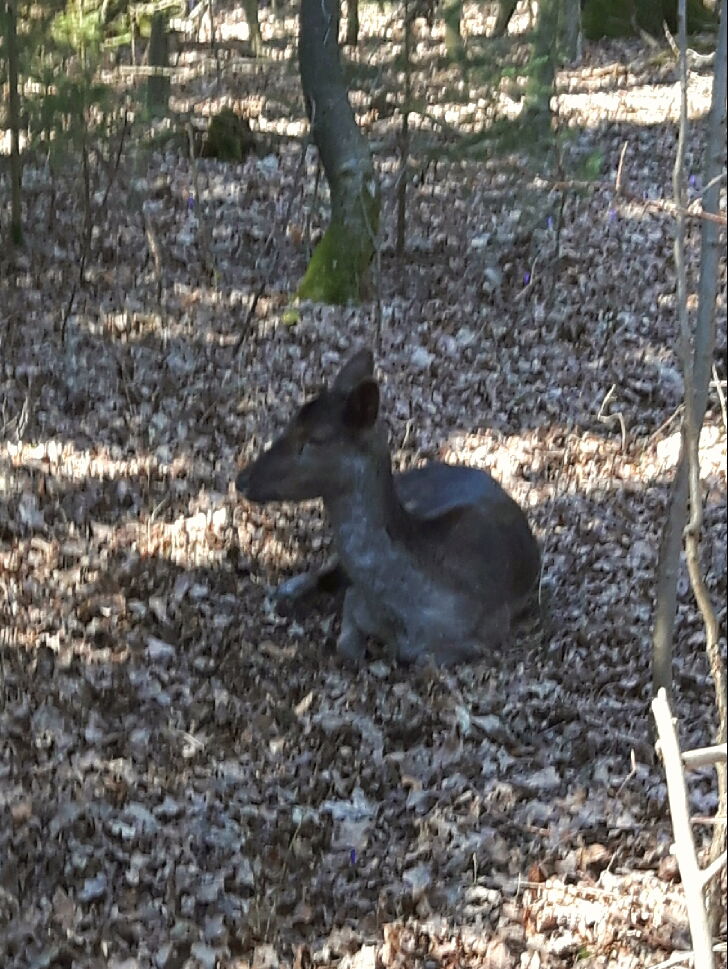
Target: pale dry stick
(718, 384)
(710, 822)
(632, 772)
(619, 180)
(676, 959)
(609, 419)
(716, 866)
(154, 251)
(583, 891)
(664, 206)
(692, 57)
(712, 184)
(705, 756)
(531, 282)
(692, 877)
(665, 424)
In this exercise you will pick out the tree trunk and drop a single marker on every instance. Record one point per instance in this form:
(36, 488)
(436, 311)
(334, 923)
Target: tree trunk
(452, 15)
(624, 18)
(338, 270)
(506, 9)
(571, 30)
(543, 68)
(254, 34)
(16, 225)
(158, 84)
(352, 23)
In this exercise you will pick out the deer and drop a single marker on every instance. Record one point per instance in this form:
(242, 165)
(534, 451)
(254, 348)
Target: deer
(437, 561)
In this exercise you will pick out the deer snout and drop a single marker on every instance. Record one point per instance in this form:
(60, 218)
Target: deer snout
(256, 486)
(242, 482)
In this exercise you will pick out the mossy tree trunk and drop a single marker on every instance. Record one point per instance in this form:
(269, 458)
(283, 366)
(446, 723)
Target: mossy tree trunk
(452, 14)
(11, 53)
(339, 267)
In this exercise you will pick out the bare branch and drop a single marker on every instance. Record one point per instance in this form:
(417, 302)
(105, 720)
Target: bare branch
(692, 876)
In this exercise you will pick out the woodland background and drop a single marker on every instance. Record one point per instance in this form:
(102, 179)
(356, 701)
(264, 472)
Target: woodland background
(188, 778)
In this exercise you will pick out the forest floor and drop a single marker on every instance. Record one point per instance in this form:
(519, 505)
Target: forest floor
(188, 778)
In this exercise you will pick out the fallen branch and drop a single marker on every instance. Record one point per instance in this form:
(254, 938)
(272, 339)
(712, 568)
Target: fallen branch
(684, 849)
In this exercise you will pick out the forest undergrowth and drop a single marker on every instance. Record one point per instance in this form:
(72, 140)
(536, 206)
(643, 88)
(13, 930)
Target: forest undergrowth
(187, 775)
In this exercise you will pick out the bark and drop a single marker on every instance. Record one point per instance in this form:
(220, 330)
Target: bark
(251, 17)
(506, 9)
(571, 30)
(352, 23)
(338, 270)
(703, 349)
(543, 67)
(158, 84)
(452, 15)
(11, 46)
(404, 138)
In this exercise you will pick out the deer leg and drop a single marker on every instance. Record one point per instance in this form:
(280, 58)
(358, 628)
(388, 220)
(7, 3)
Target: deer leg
(351, 644)
(329, 579)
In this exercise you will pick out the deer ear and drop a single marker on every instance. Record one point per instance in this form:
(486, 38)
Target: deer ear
(355, 370)
(361, 406)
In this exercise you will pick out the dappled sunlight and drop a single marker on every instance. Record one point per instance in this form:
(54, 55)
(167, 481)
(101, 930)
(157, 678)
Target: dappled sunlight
(67, 462)
(648, 465)
(645, 104)
(190, 772)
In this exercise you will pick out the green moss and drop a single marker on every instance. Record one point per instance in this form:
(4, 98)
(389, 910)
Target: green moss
(334, 272)
(229, 138)
(338, 268)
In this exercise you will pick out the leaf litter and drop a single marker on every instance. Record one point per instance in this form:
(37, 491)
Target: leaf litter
(188, 778)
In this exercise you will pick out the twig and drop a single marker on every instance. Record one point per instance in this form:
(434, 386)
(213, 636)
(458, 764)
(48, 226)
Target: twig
(692, 877)
(714, 867)
(666, 423)
(611, 418)
(90, 220)
(704, 756)
(665, 206)
(204, 234)
(674, 960)
(154, 251)
(721, 398)
(618, 182)
(265, 281)
(531, 281)
(692, 57)
(697, 354)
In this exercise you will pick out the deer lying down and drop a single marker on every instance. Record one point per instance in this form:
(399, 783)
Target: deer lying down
(438, 559)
